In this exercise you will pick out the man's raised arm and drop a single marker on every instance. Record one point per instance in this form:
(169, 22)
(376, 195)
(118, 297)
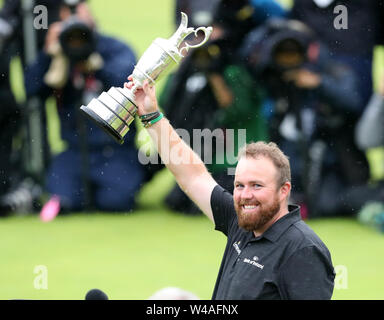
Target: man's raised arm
(187, 167)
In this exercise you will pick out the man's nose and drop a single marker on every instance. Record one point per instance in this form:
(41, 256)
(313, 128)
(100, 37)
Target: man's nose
(247, 193)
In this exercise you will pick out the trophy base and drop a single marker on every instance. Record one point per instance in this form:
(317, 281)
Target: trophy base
(102, 124)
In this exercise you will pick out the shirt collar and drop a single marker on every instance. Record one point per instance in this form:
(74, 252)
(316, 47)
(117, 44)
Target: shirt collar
(274, 232)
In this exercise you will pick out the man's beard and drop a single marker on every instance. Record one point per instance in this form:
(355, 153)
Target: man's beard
(256, 220)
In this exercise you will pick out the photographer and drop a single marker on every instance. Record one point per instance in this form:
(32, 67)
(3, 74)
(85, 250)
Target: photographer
(19, 190)
(370, 127)
(316, 106)
(354, 43)
(76, 65)
(12, 24)
(9, 121)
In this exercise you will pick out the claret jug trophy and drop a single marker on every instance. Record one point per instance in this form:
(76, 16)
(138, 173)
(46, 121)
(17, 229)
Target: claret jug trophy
(115, 109)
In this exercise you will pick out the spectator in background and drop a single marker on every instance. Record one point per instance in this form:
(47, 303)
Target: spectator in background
(352, 46)
(211, 90)
(317, 104)
(76, 65)
(12, 14)
(200, 10)
(370, 135)
(19, 188)
(9, 124)
(370, 128)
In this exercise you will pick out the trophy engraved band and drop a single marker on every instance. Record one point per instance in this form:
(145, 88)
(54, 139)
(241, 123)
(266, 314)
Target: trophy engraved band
(115, 109)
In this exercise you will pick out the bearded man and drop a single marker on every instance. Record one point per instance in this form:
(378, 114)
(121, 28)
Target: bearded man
(271, 253)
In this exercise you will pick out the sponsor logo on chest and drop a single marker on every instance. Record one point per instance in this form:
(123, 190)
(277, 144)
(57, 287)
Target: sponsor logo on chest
(254, 262)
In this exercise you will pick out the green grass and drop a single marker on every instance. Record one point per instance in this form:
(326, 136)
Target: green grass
(130, 256)
(359, 249)
(127, 256)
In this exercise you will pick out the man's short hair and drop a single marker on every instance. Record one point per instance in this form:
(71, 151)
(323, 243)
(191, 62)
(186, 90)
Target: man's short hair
(271, 151)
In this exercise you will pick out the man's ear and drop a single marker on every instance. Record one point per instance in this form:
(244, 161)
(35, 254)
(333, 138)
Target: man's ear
(285, 190)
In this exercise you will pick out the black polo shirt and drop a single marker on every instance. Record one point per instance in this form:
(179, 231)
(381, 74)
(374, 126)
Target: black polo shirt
(288, 261)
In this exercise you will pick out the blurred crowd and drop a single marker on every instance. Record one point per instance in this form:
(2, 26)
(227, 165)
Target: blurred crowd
(288, 75)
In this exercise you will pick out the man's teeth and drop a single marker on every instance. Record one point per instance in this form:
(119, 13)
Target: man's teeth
(249, 207)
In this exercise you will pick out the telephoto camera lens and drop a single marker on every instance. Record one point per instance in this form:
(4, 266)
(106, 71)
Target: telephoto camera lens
(77, 39)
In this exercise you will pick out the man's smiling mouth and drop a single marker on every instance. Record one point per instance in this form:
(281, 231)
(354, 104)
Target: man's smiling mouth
(249, 207)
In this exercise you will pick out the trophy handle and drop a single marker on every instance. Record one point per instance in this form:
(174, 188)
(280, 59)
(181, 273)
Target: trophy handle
(207, 32)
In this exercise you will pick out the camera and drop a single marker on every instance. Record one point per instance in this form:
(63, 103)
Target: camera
(213, 57)
(275, 48)
(77, 38)
(278, 45)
